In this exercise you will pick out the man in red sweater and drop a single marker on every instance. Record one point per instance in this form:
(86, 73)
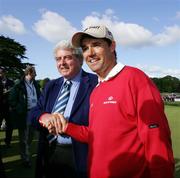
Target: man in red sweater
(128, 133)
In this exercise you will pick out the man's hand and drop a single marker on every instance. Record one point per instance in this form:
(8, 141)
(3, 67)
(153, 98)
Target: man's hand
(64, 123)
(55, 123)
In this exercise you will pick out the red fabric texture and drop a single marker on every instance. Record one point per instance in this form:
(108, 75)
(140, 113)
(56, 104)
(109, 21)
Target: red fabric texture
(128, 133)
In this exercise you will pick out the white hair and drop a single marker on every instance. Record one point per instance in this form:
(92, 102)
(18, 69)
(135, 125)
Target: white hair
(65, 44)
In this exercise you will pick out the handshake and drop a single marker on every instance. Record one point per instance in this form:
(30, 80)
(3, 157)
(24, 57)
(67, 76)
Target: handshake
(55, 123)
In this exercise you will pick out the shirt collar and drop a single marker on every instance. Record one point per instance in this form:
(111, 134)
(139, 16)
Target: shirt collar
(30, 82)
(76, 79)
(115, 70)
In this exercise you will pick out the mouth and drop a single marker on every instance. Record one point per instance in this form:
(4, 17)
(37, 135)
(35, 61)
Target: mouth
(93, 60)
(64, 68)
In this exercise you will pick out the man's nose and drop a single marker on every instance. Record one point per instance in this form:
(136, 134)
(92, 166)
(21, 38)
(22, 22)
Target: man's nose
(62, 61)
(91, 51)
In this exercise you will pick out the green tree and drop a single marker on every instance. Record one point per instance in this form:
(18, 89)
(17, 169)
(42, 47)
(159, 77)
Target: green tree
(167, 84)
(11, 55)
(43, 82)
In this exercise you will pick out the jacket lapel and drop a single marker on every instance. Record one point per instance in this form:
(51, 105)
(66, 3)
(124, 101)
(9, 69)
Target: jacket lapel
(83, 89)
(55, 92)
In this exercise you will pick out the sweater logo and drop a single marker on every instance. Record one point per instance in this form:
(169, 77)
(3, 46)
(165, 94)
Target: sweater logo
(110, 100)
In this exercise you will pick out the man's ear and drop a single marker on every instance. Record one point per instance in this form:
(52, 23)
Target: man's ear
(113, 46)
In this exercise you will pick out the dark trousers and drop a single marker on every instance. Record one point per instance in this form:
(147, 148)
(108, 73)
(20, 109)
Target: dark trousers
(61, 162)
(44, 162)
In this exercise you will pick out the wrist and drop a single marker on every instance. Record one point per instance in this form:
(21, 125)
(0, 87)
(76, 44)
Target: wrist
(65, 127)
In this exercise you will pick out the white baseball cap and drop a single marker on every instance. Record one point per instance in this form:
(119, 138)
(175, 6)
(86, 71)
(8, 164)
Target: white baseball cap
(99, 31)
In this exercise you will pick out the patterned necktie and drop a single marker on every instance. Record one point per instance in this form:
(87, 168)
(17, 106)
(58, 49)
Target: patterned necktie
(60, 105)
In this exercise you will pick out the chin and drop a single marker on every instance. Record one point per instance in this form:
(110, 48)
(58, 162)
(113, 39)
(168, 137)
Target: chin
(67, 76)
(94, 69)
(64, 73)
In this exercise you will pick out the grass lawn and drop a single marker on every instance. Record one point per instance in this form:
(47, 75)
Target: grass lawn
(14, 168)
(12, 160)
(173, 114)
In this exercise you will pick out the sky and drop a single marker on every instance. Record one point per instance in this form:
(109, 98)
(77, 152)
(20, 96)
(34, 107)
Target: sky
(147, 32)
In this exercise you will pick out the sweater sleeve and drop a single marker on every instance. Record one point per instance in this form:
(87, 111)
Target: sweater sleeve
(154, 132)
(78, 132)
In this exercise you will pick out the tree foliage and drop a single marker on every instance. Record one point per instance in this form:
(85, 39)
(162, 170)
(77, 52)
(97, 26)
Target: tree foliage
(43, 82)
(168, 84)
(12, 54)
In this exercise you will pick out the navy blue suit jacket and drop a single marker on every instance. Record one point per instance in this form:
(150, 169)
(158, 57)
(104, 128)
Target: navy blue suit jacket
(79, 115)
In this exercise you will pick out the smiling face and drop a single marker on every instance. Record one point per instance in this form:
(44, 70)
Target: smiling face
(67, 63)
(99, 55)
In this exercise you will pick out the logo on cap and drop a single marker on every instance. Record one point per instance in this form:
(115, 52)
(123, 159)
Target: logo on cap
(94, 27)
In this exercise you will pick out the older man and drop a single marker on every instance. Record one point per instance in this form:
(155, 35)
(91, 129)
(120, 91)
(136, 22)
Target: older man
(63, 156)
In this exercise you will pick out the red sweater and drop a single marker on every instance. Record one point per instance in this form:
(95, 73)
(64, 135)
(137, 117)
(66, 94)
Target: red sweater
(128, 133)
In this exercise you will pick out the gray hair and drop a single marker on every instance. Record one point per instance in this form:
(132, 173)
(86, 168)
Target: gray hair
(65, 44)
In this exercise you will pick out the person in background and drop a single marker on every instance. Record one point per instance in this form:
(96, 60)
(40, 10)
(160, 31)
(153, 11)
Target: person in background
(64, 157)
(128, 133)
(2, 171)
(5, 112)
(1, 99)
(22, 98)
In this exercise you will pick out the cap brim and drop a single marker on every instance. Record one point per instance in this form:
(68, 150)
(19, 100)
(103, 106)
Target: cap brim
(76, 39)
